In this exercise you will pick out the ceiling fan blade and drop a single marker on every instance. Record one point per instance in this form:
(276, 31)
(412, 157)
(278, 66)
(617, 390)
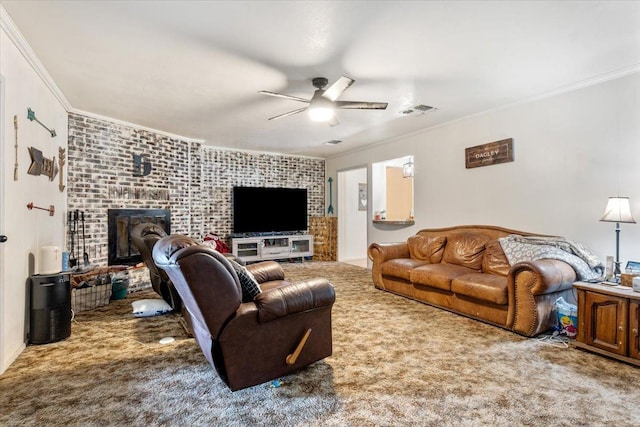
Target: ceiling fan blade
(282, 95)
(361, 105)
(333, 121)
(290, 113)
(334, 91)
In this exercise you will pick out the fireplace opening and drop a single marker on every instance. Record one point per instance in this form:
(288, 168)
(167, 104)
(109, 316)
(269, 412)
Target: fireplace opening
(121, 221)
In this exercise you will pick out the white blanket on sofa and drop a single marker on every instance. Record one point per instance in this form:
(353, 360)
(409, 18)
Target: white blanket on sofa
(530, 248)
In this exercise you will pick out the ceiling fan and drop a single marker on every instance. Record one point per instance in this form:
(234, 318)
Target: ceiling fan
(323, 103)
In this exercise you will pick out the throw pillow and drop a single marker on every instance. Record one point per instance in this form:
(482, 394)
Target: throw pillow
(150, 307)
(494, 260)
(427, 248)
(248, 283)
(465, 249)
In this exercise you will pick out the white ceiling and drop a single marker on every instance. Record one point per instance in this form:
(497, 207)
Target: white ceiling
(194, 68)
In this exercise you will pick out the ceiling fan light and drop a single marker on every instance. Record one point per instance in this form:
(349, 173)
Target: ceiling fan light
(321, 114)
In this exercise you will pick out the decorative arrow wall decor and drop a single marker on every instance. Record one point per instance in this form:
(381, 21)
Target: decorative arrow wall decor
(41, 165)
(15, 167)
(51, 209)
(61, 162)
(31, 115)
(330, 210)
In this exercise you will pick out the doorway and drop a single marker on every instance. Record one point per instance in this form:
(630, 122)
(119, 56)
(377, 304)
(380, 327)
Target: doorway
(2, 225)
(352, 216)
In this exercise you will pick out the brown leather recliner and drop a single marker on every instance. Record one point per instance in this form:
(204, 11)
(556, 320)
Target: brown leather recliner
(286, 327)
(144, 236)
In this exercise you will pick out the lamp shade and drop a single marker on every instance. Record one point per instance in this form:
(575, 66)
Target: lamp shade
(618, 210)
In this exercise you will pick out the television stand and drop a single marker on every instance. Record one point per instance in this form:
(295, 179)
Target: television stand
(271, 247)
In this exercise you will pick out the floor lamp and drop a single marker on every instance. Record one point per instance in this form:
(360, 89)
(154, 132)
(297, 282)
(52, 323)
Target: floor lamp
(618, 210)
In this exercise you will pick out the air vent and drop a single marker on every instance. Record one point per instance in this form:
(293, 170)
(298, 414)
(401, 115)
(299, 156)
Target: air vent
(416, 109)
(333, 142)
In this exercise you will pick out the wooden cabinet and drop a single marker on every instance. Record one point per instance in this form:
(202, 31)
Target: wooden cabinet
(608, 321)
(634, 323)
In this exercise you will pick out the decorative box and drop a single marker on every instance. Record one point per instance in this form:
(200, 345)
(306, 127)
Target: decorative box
(626, 279)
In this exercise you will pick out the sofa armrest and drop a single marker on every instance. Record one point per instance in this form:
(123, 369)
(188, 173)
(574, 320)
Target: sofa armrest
(381, 252)
(294, 298)
(266, 271)
(533, 287)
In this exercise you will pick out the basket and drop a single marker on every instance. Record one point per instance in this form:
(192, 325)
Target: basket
(83, 299)
(119, 288)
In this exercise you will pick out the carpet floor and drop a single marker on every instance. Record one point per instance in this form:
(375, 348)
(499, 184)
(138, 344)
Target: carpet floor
(395, 362)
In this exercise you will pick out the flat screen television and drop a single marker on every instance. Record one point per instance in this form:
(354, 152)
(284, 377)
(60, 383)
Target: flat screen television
(263, 210)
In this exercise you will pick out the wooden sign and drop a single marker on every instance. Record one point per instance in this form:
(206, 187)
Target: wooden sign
(492, 153)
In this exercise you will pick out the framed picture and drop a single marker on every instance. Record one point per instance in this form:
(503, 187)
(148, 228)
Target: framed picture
(362, 197)
(632, 267)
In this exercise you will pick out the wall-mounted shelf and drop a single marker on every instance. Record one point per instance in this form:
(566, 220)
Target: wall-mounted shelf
(391, 222)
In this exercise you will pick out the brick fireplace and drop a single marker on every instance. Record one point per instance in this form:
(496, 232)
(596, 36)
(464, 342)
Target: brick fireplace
(121, 222)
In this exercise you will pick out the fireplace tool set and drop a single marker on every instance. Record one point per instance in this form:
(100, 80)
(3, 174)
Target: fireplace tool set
(75, 220)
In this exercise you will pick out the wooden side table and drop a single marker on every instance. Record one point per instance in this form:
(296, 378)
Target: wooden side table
(608, 321)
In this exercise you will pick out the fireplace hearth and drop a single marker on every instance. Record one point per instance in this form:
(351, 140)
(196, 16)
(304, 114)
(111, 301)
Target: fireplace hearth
(121, 222)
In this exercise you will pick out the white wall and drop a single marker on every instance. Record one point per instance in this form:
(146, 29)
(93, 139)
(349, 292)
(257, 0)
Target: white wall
(27, 230)
(572, 151)
(352, 223)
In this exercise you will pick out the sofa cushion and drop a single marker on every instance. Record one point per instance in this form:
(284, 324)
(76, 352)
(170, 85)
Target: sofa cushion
(401, 267)
(494, 260)
(427, 248)
(438, 275)
(481, 286)
(465, 249)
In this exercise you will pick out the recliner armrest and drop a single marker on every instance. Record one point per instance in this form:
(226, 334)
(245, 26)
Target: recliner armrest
(266, 271)
(294, 298)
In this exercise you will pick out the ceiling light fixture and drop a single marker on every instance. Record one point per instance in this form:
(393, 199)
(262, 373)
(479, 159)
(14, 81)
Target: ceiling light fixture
(321, 109)
(407, 169)
(319, 114)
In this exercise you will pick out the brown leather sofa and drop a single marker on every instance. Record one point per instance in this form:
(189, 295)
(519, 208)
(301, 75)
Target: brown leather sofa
(286, 327)
(463, 269)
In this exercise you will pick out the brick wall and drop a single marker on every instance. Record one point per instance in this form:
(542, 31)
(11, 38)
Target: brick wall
(195, 181)
(224, 169)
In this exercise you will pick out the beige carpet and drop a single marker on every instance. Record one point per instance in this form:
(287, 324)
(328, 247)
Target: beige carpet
(395, 362)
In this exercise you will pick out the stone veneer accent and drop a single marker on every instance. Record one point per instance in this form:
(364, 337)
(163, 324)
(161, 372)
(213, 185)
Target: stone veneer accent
(198, 180)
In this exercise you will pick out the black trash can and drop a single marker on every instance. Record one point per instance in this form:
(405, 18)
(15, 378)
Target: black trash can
(50, 315)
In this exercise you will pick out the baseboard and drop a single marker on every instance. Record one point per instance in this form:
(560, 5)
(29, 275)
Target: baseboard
(7, 362)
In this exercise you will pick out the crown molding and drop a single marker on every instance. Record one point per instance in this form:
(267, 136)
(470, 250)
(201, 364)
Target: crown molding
(14, 34)
(602, 78)
(134, 125)
(203, 142)
(259, 152)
